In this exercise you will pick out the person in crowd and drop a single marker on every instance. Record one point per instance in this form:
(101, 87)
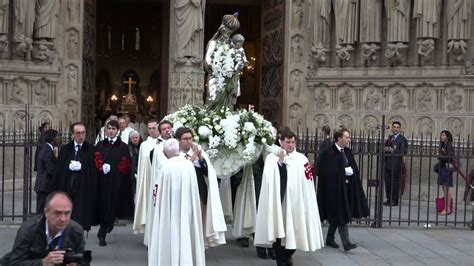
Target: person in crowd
(75, 174)
(177, 213)
(46, 163)
(134, 148)
(287, 204)
(44, 238)
(102, 132)
(44, 126)
(340, 193)
(326, 144)
(211, 206)
(445, 170)
(124, 129)
(112, 160)
(395, 148)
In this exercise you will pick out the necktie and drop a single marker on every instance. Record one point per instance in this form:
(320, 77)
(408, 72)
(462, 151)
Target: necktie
(111, 142)
(187, 156)
(346, 162)
(78, 147)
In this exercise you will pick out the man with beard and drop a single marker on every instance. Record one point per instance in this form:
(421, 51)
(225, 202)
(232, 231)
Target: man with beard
(340, 193)
(112, 161)
(75, 174)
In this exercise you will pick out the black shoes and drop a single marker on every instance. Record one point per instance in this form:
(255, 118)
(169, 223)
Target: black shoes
(349, 247)
(390, 203)
(262, 253)
(332, 243)
(244, 242)
(102, 242)
(271, 254)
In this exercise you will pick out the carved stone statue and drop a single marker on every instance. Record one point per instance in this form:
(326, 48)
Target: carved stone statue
(346, 99)
(370, 27)
(427, 16)
(425, 126)
(190, 30)
(240, 59)
(424, 100)
(320, 15)
(370, 123)
(18, 93)
(23, 28)
(426, 49)
(72, 79)
(398, 20)
(4, 17)
(298, 13)
(296, 83)
(459, 19)
(71, 112)
(347, 24)
(296, 49)
(73, 10)
(295, 116)
(398, 99)
(137, 39)
(47, 12)
(72, 44)
(455, 125)
(41, 93)
(455, 101)
(320, 101)
(372, 102)
(345, 121)
(319, 121)
(220, 63)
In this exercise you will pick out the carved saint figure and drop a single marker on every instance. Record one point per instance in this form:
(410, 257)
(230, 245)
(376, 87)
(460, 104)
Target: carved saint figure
(398, 99)
(47, 12)
(73, 45)
(72, 79)
(190, 29)
(73, 10)
(456, 126)
(346, 99)
(41, 92)
(455, 100)
(320, 15)
(71, 112)
(240, 60)
(425, 127)
(345, 121)
(24, 18)
(370, 21)
(320, 99)
(398, 20)
(370, 123)
(3, 17)
(459, 19)
(427, 16)
(296, 49)
(295, 116)
(424, 100)
(18, 93)
(295, 83)
(347, 19)
(372, 101)
(298, 13)
(320, 121)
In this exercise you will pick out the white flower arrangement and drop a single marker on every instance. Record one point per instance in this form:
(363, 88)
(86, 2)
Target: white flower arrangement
(230, 138)
(222, 66)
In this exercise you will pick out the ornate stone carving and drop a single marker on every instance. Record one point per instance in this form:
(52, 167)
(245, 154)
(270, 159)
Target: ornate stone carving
(398, 28)
(347, 19)
(346, 101)
(47, 12)
(272, 3)
(272, 19)
(370, 28)
(270, 110)
(271, 81)
(321, 17)
(74, 10)
(399, 119)
(24, 14)
(71, 112)
(297, 49)
(18, 123)
(295, 114)
(373, 99)
(425, 127)
(320, 98)
(273, 47)
(45, 116)
(393, 53)
(426, 49)
(72, 44)
(459, 19)
(41, 92)
(298, 14)
(426, 14)
(186, 87)
(72, 79)
(296, 83)
(4, 24)
(457, 49)
(345, 121)
(19, 91)
(398, 98)
(42, 51)
(370, 123)
(453, 100)
(319, 121)
(455, 125)
(425, 99)
(190, 30)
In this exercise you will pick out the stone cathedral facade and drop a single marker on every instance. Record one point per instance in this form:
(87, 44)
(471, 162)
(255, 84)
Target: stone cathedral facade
(323, 62)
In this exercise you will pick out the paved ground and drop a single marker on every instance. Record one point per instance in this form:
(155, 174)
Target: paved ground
(386, 246)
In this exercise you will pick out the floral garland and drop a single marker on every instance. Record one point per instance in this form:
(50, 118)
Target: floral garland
(230, 138)
(222, 66)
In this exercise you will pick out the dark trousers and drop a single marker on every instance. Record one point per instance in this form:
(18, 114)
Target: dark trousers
(40, 201)
(392, 184)
(104, 229)
(343, 232)
(283, 255)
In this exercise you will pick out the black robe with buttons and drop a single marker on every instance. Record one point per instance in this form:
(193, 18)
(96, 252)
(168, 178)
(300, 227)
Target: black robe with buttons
(338, 200)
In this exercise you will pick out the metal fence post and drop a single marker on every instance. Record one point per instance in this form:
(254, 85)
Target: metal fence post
(380, 187)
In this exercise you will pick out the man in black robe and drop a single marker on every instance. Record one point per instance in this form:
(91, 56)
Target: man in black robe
(115, 200)
(75, 174)
(340, 194)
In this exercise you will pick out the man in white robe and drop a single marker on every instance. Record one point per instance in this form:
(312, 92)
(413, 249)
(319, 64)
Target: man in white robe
(157, 157)
(144, 171)
(287, 215)
(213, 216)
(177, 234)
(125, 130)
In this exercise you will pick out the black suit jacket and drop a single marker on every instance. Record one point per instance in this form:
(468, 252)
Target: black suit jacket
(45, 169)
(394, 159)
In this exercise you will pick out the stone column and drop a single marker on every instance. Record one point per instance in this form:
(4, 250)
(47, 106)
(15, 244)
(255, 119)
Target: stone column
(186, 42)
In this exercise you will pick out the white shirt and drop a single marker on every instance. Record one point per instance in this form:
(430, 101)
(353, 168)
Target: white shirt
(50, 239)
